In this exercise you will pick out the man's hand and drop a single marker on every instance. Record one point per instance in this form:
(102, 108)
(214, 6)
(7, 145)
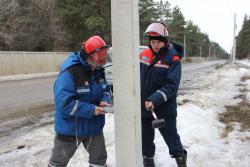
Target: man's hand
(104, 104)
(99, 110)
(149, 105)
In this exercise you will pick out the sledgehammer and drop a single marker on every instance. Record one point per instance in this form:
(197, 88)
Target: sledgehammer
(158, 123)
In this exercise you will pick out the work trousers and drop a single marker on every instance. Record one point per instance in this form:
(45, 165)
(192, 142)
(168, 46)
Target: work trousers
(65, 147)
(169, 134)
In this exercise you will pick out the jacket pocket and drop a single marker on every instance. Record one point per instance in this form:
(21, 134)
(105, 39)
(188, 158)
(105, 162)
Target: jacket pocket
(160, 76)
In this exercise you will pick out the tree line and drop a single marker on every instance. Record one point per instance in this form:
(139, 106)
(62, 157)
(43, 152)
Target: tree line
(243, 40)
(61, 25)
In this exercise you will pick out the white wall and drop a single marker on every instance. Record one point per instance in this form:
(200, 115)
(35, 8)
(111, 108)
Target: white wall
(13, 63)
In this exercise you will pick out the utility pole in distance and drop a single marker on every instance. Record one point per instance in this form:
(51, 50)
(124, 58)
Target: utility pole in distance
(234, 39)
(209, 51)
(184, 43)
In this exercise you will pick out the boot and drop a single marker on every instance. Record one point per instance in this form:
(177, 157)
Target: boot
(93, 165)
(148, 162)
(181, 160)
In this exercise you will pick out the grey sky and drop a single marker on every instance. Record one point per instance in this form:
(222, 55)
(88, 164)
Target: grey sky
(215, 17)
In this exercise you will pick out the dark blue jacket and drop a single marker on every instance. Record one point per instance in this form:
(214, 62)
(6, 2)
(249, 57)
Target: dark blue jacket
(160, 82)
(76, 92)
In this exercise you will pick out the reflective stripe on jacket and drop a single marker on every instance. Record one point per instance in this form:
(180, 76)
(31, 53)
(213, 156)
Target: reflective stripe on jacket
(160, 82)
(76, 92)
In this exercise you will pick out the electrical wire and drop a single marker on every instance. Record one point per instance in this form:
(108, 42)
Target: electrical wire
(77, 142)
(229, 7)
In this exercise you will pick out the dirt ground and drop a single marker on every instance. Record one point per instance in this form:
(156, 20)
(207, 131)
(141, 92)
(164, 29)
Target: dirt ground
(239, 113)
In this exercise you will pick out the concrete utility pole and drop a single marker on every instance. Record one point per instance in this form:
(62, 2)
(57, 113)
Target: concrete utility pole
(234, 40)
(200, 51)
(209, 52)
(125, 51)
(215, 51)
(184, 45)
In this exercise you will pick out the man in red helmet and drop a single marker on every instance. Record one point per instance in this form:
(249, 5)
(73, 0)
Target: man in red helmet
(80, 93)
(160, 68)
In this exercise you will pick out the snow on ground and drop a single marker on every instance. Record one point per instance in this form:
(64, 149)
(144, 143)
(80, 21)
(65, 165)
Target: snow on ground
(198, 121)
(198, 127)
(248, 88)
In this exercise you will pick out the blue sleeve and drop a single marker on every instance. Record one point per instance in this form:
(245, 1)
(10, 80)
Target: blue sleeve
(65, 98)
(171, 87)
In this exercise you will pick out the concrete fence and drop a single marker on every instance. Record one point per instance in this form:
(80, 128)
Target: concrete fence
(13, 63)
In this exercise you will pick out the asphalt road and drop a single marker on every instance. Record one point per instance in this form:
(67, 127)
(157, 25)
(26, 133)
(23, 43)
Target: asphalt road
(39, 90)
(24, 94)
(29, 103)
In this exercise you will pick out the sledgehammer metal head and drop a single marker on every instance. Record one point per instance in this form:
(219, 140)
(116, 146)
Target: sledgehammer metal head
(158, 123)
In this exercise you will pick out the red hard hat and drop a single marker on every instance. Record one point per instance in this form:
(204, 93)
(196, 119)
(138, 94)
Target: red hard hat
(96, 44)
(93, 44)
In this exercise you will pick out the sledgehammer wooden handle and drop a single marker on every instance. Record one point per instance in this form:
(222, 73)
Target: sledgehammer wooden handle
(154, 115)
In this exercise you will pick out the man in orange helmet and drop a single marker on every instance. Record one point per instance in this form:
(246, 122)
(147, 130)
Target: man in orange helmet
(80, 93)
(160, 67)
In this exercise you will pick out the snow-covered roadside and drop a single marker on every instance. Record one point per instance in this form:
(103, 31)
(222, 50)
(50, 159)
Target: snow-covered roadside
(198, 120)
(198, 127)
(248, 88)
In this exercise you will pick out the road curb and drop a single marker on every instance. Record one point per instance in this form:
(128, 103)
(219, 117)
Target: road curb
(14, 78)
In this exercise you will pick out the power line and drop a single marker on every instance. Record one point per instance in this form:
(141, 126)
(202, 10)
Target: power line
(229, 6)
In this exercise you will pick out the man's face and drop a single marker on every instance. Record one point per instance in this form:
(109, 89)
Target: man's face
(98, 58)
(156, 45)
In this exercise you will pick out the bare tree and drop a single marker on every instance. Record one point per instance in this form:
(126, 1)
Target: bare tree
(29, 25)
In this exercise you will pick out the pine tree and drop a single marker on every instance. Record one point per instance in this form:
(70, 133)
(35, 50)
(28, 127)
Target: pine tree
(243, 40)
(148, 13)
(176, 25)
(83, 19)
(164, 11)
